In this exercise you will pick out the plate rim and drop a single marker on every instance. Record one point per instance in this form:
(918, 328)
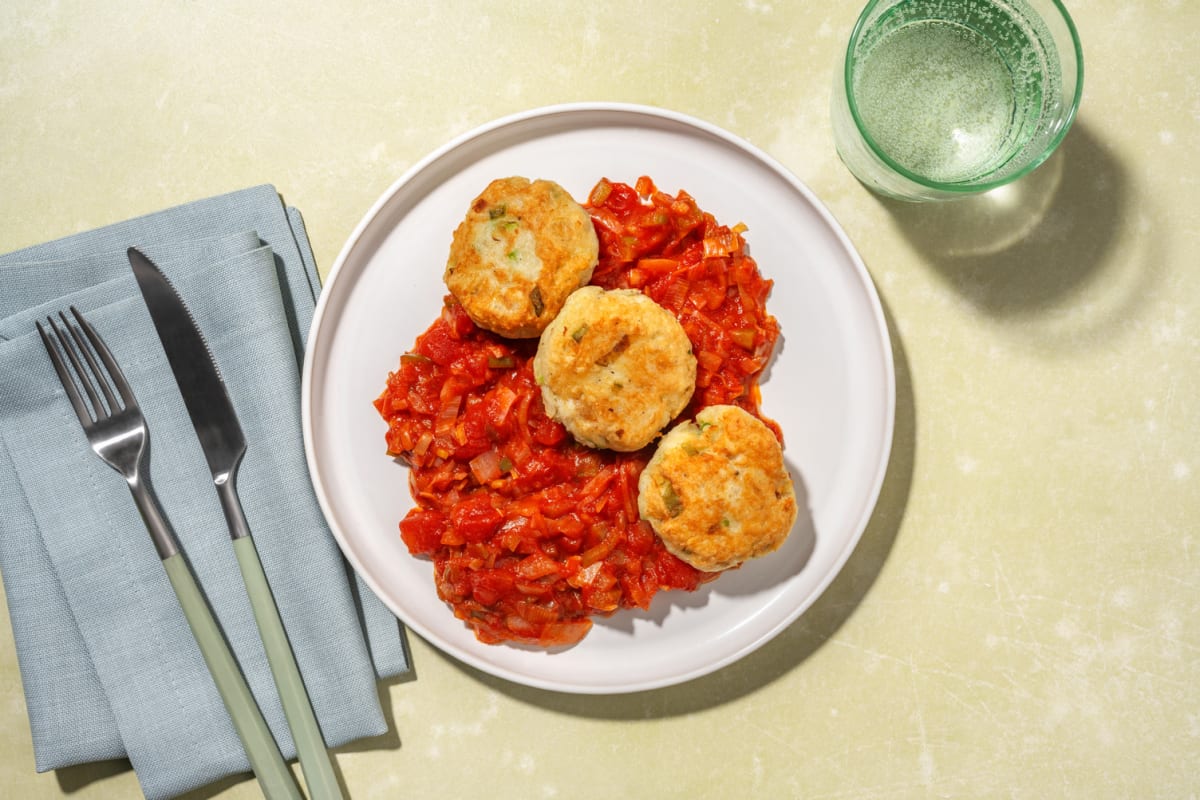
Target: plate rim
(633, 112)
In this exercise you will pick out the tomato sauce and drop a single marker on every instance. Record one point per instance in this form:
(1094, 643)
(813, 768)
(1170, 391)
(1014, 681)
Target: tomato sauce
(530, 533)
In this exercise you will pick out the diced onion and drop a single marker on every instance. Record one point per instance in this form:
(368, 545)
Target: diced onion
(600, 193)
(505, 397)
(486, 466)
(422, 446)
(743, 337)
(709, 360)
(447, 414)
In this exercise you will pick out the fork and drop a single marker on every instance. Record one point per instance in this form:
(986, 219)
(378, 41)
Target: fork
(117, 431)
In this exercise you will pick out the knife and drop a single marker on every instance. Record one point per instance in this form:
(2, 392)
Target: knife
(216, 423)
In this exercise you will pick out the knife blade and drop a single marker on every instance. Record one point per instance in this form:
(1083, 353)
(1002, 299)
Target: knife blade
(196, 372)
(215, 420)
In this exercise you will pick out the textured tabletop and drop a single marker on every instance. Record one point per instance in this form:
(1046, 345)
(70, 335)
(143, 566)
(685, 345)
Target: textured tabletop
(1022, 616)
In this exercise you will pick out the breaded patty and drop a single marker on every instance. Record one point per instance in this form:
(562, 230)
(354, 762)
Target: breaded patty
(521, 250)
(615, 367)
(716, 490)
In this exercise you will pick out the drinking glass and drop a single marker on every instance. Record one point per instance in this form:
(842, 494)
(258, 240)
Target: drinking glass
(943, 98)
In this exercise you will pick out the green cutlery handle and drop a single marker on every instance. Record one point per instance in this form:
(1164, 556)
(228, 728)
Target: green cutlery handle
(314, 758)
(274, 777)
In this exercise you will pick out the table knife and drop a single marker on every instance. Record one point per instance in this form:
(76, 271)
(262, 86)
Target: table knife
(221, 438)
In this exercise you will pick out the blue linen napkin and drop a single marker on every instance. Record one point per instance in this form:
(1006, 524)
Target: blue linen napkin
(108, 664)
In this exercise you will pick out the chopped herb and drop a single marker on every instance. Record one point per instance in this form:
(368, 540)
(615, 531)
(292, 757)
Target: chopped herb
(535, 299)
(416, 358)
(671, 500)
(505, 464)
(503, 362)
(725, 523)
(579, 332)
(702, 424)
(512, 255)
(496, 212)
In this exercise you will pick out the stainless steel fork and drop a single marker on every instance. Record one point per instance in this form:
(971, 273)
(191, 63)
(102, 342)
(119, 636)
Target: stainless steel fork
(115, 428)
(117, 431)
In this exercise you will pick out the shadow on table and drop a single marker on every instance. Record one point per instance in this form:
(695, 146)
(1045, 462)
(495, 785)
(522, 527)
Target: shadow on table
(797, 642)
(1026, 252)
(74, 779)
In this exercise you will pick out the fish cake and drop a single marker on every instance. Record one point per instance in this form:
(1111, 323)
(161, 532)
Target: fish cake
(615, 368)
(523, 247)
(716, 490)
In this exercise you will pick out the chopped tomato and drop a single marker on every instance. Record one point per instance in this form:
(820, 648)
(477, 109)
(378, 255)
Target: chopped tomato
(421, 530)
(475, 518)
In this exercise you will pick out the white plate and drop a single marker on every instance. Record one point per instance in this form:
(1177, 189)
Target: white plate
(830, 386)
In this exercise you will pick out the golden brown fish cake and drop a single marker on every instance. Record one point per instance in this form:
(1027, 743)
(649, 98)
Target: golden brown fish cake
(615, 367)
(521, 250)
(716, 490)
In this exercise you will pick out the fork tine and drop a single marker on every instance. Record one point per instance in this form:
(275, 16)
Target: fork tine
(64, 376)
(83, 377)
(87, 354)
(110, 363)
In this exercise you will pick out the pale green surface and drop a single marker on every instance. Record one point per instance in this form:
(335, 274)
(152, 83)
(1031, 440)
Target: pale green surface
(1022, 617)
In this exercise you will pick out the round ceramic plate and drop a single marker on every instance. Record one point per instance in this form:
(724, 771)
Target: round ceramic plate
(830, 384)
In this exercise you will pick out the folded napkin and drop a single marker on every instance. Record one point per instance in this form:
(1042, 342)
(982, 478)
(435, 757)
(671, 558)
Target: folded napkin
(108, 663)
